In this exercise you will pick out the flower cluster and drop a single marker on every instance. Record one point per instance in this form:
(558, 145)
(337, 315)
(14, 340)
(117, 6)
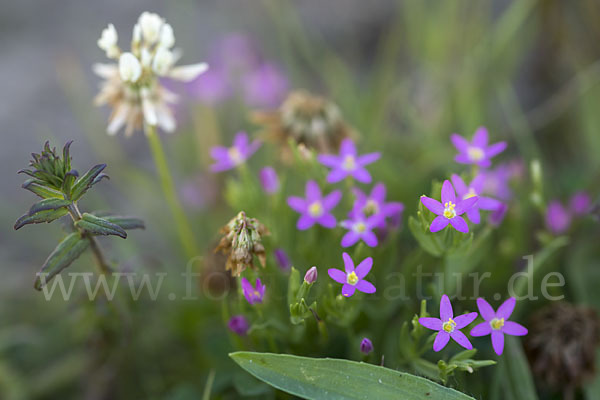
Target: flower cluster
(131, 86)
(559, 217)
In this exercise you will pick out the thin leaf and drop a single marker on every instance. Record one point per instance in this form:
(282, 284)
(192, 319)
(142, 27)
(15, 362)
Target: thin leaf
(35, 187)
(48, 204)
(312, 378)
(86, 181)
(67, 156)
(42, 216)
(63, 255)
(99, 226)
(68, 182)
(125, 222)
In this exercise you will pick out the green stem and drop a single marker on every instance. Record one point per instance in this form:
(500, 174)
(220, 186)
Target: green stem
(186, 235)
(103, 264)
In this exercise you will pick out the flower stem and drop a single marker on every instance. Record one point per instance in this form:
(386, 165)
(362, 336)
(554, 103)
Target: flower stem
(186, 235)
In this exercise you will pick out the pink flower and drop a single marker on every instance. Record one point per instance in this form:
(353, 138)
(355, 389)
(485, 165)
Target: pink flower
(230, 157)
(497, 324)
(360, 228)
(352, 279)
(448, 326)
(315, 208)
(474, 189)
(253, 294)
(348, 163)
(477, 151)
(449, 211)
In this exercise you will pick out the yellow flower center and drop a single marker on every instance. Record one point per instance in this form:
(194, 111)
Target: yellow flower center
(475, 153)
(469, 194)
(349, 163)
(360, 227)
(497, 323)
(371, 208)
(449, 325)
(449, 211)
(235, 155)
(352, 278)
(315, 209)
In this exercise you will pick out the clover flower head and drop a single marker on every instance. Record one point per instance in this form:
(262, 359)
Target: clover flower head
(448, 326)
(477, 151)
(360, 228)
(315, 208)
(449, 211)
(131, 85)
(239, 325)
(254, 294)
(497, 324)
(366, 346)
(269, 180)
(353, 278)
(465, 191)
(375, 204)
(348, 163)
(230, 157)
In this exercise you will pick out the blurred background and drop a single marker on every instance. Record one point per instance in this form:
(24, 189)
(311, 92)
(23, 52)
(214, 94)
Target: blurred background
(405, 74)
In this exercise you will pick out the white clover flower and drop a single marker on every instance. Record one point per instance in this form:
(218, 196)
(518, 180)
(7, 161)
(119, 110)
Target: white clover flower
(130, 68)
(150, 23)
(132, 87)
(167, 38)
(108, 41)
(163, 61)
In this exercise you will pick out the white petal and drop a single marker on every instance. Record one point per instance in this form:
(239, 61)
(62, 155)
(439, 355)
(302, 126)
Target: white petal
(188, 73)
(118, 119)
(130, 68)
(105, 70)
(167, 38)
(163, 61)
(165, 119)
(148, 109)
(150, 24)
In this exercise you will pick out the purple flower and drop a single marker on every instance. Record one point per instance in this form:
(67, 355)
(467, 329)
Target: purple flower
(477, 151)
(282, 259)
(352, 279)
(212, 87)
(269, 180)
(239, 325)
(360, 227)
(496, 323)
(497, 216)
(230, 157)
(366, 346)
(253, 294)
(374, 204)
(580, 203)
(497, 180)
(311, 275)
(558, 219)
(315, 208)
(449, 212)
(265, 86)
(448, 326)
(474, 189)
(348, 163)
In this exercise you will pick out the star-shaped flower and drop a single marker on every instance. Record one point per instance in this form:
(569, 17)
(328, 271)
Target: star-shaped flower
(497, 324)
(477, 151)
(474, 189)
(352, 279)
(449, 211)
(448, 326)
(230, 157)
(375, 204)
(254, 294)
(348, 163)
(315, 208)
(360, 227)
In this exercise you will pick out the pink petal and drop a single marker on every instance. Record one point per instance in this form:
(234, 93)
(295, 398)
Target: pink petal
(365, 287)
(297, 204)
(495, 149)
(219, 153)
(327, 221)
(448, 192)
(480, 138)
(350, 239)
(305, 222)
(445, 308)
(313, 192)
(439, 223)
(347, 147)
(364, 267)
(459, 142)
(477, 183)
(512, 328)
(441, 340)
(329, 160)
(466, 204)
(369, 238)
(255, 145)
(487, 203)
(481, 329)
(459, 184)
(459, 224)
(367, 158)
(486, 311)
(348, 290)
(348, 263)
(498, 341)
(506, 309)
(337, 275)
(464, 319)
(378, 192)
(240, 140)
(432, 205)
(331, 200)
(362, 175)
(461, 339)
(463, 159)
(473, 215)
(337, 175)
(431, 323)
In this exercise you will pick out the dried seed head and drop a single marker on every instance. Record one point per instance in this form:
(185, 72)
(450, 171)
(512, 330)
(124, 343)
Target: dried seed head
(561, 344)
(242, 241)
(310, 121)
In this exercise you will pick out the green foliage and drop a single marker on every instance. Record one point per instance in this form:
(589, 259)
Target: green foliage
(99, 226)
(67, 251)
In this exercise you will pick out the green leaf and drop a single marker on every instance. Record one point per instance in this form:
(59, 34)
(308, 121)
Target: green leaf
(48, 204)
(125, 222)
(43, 191)
(86, 181)
(99, 226)
(513, 376)
(63, 255)
(68, 182)
(426, 241)
(67, 156)
(42, 216)
(312, 378)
